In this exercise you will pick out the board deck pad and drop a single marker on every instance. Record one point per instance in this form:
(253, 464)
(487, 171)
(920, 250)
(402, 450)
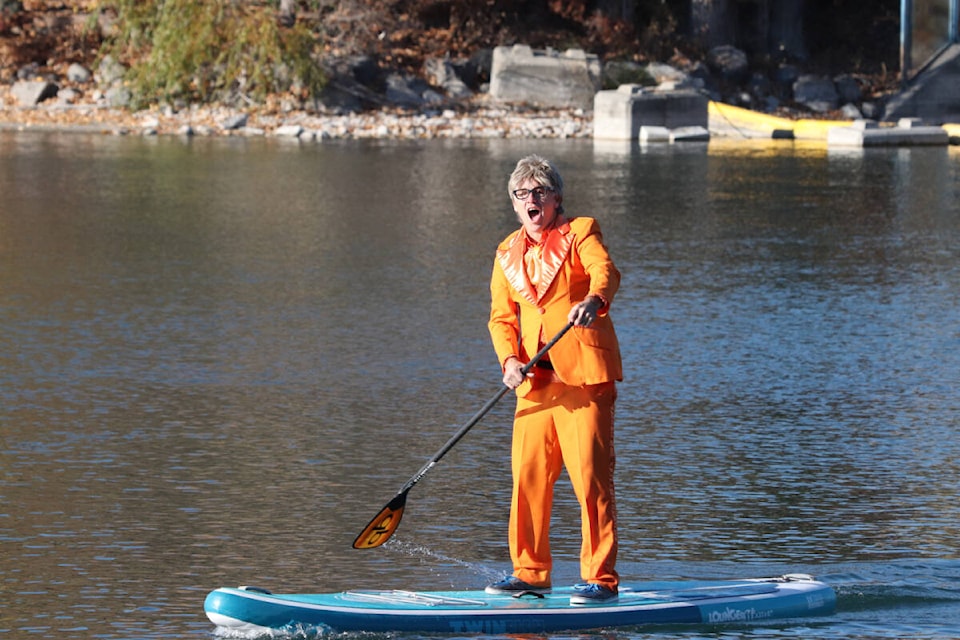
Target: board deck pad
(655, 602)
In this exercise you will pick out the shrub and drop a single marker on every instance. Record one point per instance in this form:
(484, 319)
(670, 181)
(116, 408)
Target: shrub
(204, 50)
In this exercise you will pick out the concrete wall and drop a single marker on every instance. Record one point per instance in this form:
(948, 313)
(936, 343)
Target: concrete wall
(544, 78)
(619, 114)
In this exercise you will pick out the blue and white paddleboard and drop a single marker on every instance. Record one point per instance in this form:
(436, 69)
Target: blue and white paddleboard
(246, 609)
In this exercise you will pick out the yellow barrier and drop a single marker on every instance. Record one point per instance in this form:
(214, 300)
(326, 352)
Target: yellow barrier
(953, 130)
(727, 119)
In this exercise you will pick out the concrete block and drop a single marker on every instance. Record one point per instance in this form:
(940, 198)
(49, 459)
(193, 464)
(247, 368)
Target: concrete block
(910, 123)
(619, 114)
(899, 136)
(689, 134)
(544, 78)
(654, 134)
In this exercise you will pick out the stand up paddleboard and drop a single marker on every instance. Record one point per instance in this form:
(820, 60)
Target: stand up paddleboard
(249, 610)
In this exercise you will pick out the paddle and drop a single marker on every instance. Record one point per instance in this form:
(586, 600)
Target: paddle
(386, 522)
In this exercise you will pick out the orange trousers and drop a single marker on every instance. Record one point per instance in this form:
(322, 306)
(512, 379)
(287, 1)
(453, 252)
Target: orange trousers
(556, 425)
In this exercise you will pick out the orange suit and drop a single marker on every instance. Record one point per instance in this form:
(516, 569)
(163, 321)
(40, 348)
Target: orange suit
(564, 416)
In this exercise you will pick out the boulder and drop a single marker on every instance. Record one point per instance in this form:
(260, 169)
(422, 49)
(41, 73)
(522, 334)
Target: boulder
(440, 72)
(729, 62)
(402, 90)
(78, 73)
(545, 78)
(817, 93)
(234, 122)
(848, 89)
(32, 92)
(109, 71)
(618, 72)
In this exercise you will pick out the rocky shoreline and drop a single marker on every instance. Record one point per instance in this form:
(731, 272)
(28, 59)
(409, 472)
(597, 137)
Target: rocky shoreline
(477, 120)
(99, 101)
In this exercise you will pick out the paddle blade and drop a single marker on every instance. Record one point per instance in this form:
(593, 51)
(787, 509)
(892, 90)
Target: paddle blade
(383, 525)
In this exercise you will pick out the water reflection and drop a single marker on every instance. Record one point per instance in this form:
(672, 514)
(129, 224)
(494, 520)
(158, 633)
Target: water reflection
(221, 358)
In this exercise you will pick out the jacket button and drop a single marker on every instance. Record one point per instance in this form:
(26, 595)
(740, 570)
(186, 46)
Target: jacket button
(542, 310)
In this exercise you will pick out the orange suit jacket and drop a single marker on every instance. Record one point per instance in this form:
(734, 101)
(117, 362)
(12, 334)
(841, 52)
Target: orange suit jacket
(575, 264)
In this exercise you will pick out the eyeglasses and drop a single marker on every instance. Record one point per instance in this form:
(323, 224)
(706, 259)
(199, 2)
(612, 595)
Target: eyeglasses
(539, 193)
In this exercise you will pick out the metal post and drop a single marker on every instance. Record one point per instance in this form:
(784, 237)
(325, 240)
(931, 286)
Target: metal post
(906, 38)
(954, 19)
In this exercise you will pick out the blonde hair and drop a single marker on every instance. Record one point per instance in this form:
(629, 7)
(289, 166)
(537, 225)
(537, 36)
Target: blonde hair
(542, 171)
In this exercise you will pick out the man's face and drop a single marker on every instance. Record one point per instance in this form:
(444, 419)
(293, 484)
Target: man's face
(537, 211)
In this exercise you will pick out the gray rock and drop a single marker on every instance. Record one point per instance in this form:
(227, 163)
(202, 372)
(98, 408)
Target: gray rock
(871, 110)
(401, 91)
(728, 61)
(817, 93)
(433, 98)
(231, 123)
(339, 99)
(786, 75)
(68, 96)
(78, 73)
(109, 71)
(28, 71)
(440, 72)
(662, 72)
(289, 131)
(363, 69)
(848, 89)
(118, 96)
(32, 92)
(851, 112)
(475, 71)
(618, 72)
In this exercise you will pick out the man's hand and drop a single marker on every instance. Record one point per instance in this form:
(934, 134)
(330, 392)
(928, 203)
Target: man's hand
(584, 313)
(512, 374)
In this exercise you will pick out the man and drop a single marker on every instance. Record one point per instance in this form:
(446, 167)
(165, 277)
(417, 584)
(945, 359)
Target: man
(551, 271)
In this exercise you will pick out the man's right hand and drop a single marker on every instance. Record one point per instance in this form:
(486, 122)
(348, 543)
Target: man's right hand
(512, 372)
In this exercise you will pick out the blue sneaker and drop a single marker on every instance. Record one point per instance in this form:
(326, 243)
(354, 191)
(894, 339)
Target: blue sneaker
(592, 594)
(511, 586)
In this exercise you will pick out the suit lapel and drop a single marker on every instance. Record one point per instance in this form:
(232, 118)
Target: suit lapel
(511, 260)
(555, 251)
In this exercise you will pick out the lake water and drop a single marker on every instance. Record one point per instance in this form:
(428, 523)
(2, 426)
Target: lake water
(220, 358)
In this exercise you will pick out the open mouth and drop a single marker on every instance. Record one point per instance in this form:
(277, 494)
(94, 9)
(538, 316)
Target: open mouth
(534, 213)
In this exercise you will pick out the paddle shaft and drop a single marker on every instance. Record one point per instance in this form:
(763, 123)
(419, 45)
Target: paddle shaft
(386, 522)
(455, 438)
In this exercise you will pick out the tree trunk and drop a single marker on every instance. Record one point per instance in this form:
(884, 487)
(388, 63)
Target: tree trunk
(786, 28)
(710, 22)
(616, 9)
